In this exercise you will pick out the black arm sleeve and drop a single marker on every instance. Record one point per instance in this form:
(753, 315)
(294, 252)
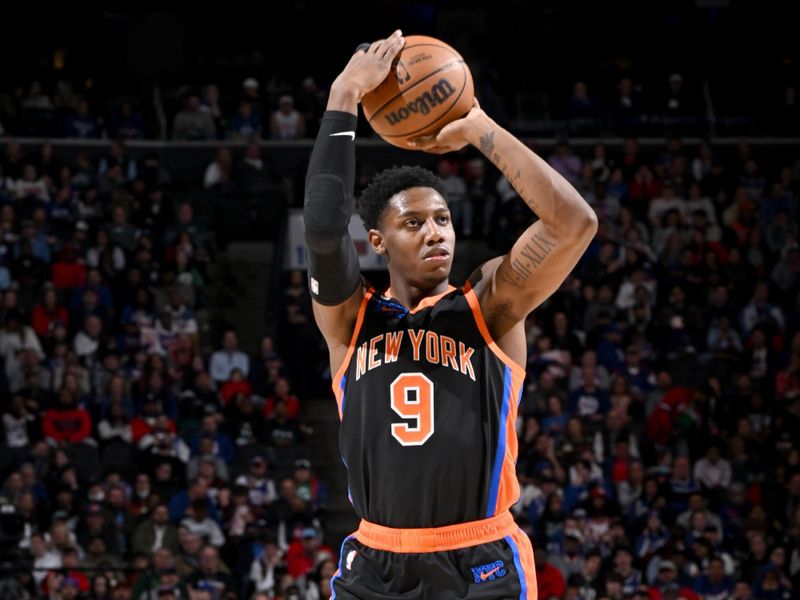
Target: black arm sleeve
(333, 268)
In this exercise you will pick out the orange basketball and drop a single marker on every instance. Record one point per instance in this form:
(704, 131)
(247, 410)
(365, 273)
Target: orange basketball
(428, 87)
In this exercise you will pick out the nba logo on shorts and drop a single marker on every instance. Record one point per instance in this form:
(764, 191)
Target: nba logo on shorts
(350, 558)
(488, 572)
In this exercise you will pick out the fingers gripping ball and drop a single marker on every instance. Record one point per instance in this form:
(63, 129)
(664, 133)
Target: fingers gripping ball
(429, 86)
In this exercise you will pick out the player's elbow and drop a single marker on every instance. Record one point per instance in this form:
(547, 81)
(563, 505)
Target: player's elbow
(583, 224)
(326, 212)
(588, 222)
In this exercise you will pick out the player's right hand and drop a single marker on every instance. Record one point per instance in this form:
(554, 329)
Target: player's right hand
(368, 68)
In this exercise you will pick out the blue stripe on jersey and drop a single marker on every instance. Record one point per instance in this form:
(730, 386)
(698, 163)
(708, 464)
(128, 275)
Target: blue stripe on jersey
(520, 573)
(494, 486)
(342, 383)
(338, 574)
(349, 493)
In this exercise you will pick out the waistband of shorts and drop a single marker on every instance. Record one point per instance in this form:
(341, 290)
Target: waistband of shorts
(436, 539)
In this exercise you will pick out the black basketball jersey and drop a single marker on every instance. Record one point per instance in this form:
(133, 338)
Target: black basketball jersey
(428, 403)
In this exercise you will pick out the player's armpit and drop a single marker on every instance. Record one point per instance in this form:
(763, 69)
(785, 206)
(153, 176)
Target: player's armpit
(336, 322)
(536, 266)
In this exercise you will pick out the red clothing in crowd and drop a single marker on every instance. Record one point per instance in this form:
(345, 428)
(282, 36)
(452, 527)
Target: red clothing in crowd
(292, 406)
(79, 576)
(659, 425)
(42, 319)
(140, 428)
(684, 592)
(69, 275)
(550, 582)
(230, 388)
(298, 562)
(67, 425)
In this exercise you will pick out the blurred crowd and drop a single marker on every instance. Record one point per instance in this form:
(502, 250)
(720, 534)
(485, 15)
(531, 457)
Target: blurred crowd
(144, 454)
(276, 110)
(148, 456)
(655, 105)
(659, 452)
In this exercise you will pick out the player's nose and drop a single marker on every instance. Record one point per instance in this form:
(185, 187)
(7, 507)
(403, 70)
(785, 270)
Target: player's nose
(435, 232)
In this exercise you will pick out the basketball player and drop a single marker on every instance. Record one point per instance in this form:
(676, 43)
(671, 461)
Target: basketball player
(428, 376)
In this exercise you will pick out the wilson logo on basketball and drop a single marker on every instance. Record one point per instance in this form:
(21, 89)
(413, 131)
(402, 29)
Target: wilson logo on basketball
(439, 92)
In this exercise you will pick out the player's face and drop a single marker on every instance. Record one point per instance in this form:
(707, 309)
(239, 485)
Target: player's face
(417, 237)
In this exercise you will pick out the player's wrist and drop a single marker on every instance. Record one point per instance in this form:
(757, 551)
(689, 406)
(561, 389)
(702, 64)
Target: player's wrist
(344, 92)
(480, 126)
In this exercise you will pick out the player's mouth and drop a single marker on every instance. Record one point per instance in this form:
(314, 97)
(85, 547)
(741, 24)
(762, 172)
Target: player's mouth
(436, 255)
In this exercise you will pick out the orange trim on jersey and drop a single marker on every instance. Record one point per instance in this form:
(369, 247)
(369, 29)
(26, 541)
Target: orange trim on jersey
(475, 305)
(425, 302)
(436, 539)
(338, 392)
(525, 553)
(508, 488)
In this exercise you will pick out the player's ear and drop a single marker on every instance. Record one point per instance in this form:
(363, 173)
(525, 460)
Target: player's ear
(376, 242)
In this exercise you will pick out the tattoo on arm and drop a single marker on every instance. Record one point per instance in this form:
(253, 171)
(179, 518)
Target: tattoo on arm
(487, 143)
(501, 311)
(515, 177)
(530, 256)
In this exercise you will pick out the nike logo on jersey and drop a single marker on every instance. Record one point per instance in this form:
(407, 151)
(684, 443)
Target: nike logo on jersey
(488, 572)
(351, 134)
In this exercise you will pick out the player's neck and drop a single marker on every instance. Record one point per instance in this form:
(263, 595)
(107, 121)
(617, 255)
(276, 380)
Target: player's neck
(410, 295)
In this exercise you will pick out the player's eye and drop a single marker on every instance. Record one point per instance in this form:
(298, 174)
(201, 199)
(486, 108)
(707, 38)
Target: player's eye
(412, 223)
(444, 219)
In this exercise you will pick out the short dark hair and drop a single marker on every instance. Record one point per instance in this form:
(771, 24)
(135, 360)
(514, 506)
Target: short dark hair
(389, 182)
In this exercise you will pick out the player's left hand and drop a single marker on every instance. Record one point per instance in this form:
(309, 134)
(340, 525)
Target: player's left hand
(453, 136)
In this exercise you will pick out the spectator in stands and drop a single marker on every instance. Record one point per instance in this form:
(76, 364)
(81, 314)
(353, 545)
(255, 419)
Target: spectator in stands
(117, 156)
(191, 123)
(228, 358)
(549, 579)
(250, 93)
(305, 553)
(120, 232)
(282, 431)
(458, 200)
(712, 471)
(236, 385)
(254, 173)
(67, 423)
(582, 109)
(246, 124)
(12, 162)
(31, 187)
(309, 488)
(198, 522)
(626, 105)
(566, 162)
(311, 104)
(211, 575)
(210, 104)
(45, 315)
(125, 124)
(218, 173)
(260, 487)
(282, 393)
(38, 111)
(287, 123)
(223, 448)
(81, 123)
